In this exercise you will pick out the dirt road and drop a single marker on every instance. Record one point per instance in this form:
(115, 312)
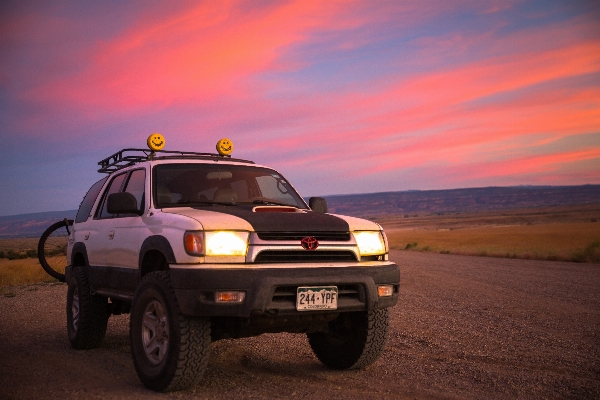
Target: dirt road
(466, 327)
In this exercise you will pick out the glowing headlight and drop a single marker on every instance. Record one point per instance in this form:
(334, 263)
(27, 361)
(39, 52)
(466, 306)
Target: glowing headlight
(226, 243)
(369, 242)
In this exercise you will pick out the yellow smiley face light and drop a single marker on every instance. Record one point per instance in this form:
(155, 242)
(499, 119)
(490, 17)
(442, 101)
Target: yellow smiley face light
(224, 147)
(156, 141)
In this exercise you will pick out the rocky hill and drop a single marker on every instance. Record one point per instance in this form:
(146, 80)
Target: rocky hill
(461, 200)
(31, 225)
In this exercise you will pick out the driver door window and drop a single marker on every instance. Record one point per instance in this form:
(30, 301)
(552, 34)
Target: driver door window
(115, 187)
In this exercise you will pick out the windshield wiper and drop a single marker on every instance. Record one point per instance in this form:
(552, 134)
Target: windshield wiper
(205, 203)
(269, 202)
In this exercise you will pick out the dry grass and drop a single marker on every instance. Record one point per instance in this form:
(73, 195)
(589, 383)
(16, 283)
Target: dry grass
(578, 241)
(568, 233)
(26, 270)
(19, 244)
(19, 272)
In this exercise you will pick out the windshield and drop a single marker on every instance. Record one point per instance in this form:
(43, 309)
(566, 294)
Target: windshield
(184, 185)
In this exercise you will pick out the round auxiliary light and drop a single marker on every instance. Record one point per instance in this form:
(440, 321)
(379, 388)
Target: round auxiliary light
(156, 141)
(224, 147)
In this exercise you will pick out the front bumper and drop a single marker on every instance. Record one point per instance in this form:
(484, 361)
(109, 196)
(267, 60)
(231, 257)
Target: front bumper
(271, 288)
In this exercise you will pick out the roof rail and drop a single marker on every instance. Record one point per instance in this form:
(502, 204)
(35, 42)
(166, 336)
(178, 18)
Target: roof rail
(120, 160)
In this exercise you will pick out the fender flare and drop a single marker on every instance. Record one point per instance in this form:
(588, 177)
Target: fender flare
(78, 247)
(159, 243)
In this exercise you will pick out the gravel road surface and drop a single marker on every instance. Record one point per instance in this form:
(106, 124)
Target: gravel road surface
(465, 327)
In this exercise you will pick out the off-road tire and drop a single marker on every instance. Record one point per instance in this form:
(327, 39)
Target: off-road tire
(170, 351)
(48, 252)
(87, 314)
(354, 340)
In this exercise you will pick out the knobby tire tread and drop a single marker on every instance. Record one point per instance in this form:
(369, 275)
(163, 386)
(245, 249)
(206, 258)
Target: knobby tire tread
(369, 333)
(377, 335)
(190, 350)
(93, 314)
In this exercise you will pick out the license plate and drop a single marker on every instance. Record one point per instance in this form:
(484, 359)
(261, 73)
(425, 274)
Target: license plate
(316, 298)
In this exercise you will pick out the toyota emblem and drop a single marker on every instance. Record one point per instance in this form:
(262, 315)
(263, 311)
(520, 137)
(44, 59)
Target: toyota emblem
(309, 243)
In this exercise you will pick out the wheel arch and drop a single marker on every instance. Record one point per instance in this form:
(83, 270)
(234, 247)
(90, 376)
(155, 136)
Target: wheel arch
(156, 254)
(79, 257)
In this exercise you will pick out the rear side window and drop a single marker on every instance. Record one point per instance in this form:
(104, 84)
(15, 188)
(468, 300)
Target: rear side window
(88, 201)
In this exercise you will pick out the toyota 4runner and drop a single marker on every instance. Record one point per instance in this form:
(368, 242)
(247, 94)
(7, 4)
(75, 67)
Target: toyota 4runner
(199, 247)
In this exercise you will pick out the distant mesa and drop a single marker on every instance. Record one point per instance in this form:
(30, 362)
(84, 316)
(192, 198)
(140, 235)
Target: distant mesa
(31, 225)
(461, 200)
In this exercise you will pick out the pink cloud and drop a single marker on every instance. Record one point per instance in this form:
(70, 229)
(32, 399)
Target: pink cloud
(465, 99)
(447, 115)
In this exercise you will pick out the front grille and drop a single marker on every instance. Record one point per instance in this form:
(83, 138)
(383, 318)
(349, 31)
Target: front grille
(321, 236)
(287, 294)
(286, 256)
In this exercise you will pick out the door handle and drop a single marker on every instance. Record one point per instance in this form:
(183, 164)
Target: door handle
(111, 234)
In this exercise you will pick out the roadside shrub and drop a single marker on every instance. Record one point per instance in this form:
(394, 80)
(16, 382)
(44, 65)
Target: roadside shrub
(589, 254)
(13, 255)
(57, 251)
(410, 246)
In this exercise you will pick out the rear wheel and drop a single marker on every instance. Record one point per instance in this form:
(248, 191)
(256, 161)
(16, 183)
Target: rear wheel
(87, 314)
(170, 351)
(353, 341)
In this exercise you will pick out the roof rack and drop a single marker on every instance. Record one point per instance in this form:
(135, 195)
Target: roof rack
(120, 160)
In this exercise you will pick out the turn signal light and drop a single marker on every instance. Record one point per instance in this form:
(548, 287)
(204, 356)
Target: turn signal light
(230, 297)
(194, 243)
(385, 290)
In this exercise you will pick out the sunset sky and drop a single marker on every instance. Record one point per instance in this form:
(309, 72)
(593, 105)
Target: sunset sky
(339, 96)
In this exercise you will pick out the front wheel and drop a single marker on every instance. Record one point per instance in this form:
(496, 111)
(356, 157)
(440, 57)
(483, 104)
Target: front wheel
(353, 341)
(170, 351)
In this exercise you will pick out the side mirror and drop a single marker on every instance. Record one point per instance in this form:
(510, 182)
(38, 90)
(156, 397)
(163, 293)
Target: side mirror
(318, 204)
(122, 203)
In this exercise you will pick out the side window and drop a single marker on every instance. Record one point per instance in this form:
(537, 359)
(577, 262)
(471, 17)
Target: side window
(114, 187)
(88, 201)
(136, 186)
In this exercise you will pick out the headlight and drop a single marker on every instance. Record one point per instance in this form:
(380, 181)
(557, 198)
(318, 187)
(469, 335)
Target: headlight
(216, 243)
(370, 243)
(226, 243)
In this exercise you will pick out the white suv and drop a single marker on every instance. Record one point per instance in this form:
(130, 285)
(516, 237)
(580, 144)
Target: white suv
(199, 247)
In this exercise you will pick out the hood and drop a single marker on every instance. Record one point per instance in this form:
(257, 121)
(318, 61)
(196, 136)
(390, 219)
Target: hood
(211, 220)
(219, 217)
(302, 221)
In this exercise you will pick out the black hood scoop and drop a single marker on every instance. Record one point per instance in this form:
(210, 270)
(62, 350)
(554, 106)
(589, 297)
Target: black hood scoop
(309, 222)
